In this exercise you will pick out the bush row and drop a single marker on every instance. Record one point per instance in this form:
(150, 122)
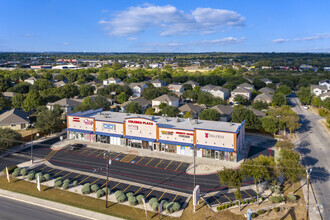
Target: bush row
(248, 201)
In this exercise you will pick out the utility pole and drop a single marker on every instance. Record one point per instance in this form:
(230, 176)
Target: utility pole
(31, 144)
(308, 171)
(279, 125)
(194, 166)
(108, 161)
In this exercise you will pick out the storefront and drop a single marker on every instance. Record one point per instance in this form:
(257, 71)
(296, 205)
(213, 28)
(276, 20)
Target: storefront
(140, 142)
(108, 138)
(217, 153)
(81, 135)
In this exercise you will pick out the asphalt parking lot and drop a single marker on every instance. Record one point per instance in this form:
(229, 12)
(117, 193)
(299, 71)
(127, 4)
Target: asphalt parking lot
(220, 198)
(171, 165)
(112, 184)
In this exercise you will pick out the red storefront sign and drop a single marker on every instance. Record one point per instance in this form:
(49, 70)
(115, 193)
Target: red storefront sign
(88, 122)
(76, 119)
(140, 122)
(183, 133)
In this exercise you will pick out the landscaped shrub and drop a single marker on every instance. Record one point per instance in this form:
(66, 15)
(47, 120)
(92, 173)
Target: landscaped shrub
(164, 203)
(30, 176)
(10, 169)
(139, 198)
(95, 187)
(15, 174)
(173, 207)
(46, 177)
(254, 215)
(75, 183)
(65, 185)
(290, 198)
(129, 194)
(24, 172)
(67, 181)
(263, 198)
(276, 199)
(118, 193)
(132, 200)
(32, 171)
(86, 189)
(244, 202)
(155, 206)
(121, 198)
(152, 201)
(226, 206)
(17, 170)
(105, 190)
(276, 209)
(219, 208)
(261, 211)
(58, 183)
(100, 193)
(40, 176)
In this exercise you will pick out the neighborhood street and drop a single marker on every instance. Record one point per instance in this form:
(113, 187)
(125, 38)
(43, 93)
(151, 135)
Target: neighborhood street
(313, 142)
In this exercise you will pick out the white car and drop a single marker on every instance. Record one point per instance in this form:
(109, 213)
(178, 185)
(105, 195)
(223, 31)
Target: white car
(305, 107)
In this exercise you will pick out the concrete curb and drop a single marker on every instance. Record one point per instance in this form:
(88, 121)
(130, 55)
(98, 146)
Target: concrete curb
(83, 213)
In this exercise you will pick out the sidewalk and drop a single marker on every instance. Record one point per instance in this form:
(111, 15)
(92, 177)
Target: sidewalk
(203, 165)
(83, 213)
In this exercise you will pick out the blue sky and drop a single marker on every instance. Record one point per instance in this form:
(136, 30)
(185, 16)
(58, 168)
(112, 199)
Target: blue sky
(165, 26)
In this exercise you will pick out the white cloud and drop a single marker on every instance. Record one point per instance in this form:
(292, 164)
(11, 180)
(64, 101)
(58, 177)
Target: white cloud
(170, 20)
(313, 37)
(222, 41)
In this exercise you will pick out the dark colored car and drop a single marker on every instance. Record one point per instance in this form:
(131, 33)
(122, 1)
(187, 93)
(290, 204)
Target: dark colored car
(76, 146)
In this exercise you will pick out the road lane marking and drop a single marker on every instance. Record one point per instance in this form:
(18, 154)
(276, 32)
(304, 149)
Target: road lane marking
(178, 166)
(67, 174)
(132, 158)
(138, 190)
(50, 170)
(44, 167)
(162, 195)
(115, 185)
(93, 152)
(95, 181)
(217, 200)
(168, 164)
(58, 172)
(52, 155)
(127, 187)
(123, 159)
(149, 193)
(159, 162)
(149, 161)
(175, 197)
(227, 197)
(85, 151)
(101, 153)
(116, 156)
(140, 160)
(105, 183)
(77, 176)
(84, 179)
(247, 193)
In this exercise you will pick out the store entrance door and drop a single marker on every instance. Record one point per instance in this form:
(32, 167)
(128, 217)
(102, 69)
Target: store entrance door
(217, 155)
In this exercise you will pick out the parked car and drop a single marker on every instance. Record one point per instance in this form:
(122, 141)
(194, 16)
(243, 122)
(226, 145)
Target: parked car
(76, 146)
(305, 107)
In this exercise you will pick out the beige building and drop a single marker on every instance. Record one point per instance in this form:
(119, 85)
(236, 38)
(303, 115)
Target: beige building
(14, 119)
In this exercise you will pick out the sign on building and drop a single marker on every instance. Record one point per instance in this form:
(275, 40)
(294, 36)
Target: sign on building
(109, 126)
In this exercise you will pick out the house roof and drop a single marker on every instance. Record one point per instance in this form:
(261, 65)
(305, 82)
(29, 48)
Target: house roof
(189, 107)
(31, 78)
(14, 116)
(175, 86)
(8, 94)
(219, 88)
(158, 81)
(224, 109)
(208, 87)
(325, 81)
(266, 80)
(166, 98)
(59, 83)
(258, 113)
(266, 90)
(243, 85)
(140, 84)
(66, 102)
(192, 83)
(326, 94)
(142, 102)
(241, 90)
(114, 79)
(321, 87)
(122, 83)
(265, 97)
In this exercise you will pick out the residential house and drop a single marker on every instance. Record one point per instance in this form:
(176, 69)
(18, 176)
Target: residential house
(122, 83)
(318, 90)
(267, 90)
(167, 99)
(144, 104)
(111, 81)
(258, 113)
(325, 95)
(190, 107)
(31, 80)
(264, 97)
(137, 88)
(176, 88)
(60, 83)
(216, 91)
(14, 119)
(225, 111)
(67, 105)
(246, 86)
(8, 95)
(240, 91)
(267, 81)
(192, 83)
(325, 82)
(158, 83)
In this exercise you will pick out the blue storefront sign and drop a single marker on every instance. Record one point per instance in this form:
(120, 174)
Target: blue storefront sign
(109, 126)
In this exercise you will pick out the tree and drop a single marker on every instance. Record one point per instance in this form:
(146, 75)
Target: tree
(170, 111)
(9, 138)
(188, 115)
(49, 121)
(85, 90)
(259, 105)
(209, 114)
(290, 166)
(189, 94)
(122, 97)
(259, 168)
(258, 84)
(305, 96)
(251, 120)
(23, 87)
(278, 99)
(18, 100)
(68, 91)
(133, 107)
(150, 111)
(42, 84)
(95, 103)
(284, 89)
(270, 124)
(241, 100)
(187, 87)
(233, 178)
(72, 76)
(316, 101)
(4, 102)
(31, 101)
(4, 84)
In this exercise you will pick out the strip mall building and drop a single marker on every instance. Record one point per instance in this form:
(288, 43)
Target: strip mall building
(212, 139)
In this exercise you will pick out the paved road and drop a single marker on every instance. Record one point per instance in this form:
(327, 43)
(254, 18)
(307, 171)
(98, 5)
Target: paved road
(12, 209)
(313, 142)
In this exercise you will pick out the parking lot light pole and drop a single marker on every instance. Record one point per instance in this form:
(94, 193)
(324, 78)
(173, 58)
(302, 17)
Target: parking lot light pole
(108, 161)
(308, 171)
(31, 144)
(194, 167)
